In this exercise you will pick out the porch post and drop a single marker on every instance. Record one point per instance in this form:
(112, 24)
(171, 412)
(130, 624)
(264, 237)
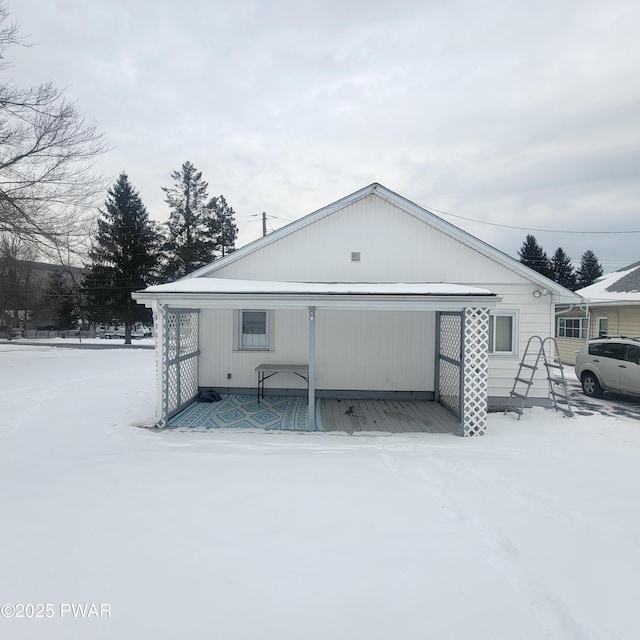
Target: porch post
(311, 408)
(159, 328)
(475, 371)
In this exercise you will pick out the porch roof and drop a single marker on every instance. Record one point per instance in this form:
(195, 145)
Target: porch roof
(230, 293)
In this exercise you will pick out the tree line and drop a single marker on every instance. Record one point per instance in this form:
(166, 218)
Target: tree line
(131, 252)
(128, 252)
(559, 267)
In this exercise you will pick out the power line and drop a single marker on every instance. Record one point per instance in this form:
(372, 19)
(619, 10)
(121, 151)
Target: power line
(491, 224)
(509, 226)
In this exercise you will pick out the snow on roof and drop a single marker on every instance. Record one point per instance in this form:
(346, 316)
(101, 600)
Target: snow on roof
(619, 286)
(229, 286)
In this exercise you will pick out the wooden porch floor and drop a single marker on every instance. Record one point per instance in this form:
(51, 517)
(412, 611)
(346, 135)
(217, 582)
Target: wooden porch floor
(390, 416)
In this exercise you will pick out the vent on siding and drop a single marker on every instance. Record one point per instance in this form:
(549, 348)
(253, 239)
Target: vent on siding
(355, 256)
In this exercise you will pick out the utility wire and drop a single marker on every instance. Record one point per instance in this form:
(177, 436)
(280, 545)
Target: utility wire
(509, 226)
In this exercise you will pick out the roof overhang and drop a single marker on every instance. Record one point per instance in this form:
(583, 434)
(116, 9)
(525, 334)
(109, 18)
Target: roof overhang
(217, 293)
(612, 303)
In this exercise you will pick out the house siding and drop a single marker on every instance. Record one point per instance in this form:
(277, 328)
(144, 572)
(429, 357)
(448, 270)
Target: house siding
(568, 348)
(533, 319)
(402, 360)
(394, 246)
(384, 235)
(622, 321)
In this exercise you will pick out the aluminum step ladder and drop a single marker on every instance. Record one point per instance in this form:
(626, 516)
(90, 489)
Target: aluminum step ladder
(538, 349)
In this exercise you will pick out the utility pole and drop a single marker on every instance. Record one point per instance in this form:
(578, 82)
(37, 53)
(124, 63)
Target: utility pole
(264, 220)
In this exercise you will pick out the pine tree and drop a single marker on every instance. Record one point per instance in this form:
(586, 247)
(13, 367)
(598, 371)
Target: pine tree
(533, 256)
(123, 258)
(190, 243)
(222, 225)
(59, 302)
(563, 271)
(590, 269)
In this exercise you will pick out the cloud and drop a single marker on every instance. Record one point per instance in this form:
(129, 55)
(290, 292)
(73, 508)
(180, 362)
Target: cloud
(507, 112)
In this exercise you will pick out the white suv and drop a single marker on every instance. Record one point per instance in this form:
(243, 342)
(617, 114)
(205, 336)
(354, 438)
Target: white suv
(609, 364)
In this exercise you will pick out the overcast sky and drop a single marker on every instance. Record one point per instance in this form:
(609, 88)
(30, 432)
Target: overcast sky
(508, 112)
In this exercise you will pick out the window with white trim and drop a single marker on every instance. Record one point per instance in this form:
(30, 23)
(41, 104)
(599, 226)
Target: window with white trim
(502, 333)
(603, 327)
(254, 329)
(572, 328)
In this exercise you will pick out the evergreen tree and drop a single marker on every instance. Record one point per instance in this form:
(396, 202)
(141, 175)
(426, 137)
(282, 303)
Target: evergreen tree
(590, 269)
(123, 259)
(533, 256)
(563, 272)
(59, 302)
(190, 243)
(222, 225)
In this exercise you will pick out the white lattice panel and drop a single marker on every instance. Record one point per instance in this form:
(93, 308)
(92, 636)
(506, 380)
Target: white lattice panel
(188, 333)
(188, 379)
(476, 371)
(450, 386)
(450, 347)
(171, 389)
(171, 335)
(179, 360)
(450, 336)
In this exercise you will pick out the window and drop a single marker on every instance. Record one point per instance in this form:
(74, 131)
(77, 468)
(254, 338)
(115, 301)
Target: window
(603, 327)
(502, 330)
(254, 330)
(613, 350)
(573, 328)
(633, 354)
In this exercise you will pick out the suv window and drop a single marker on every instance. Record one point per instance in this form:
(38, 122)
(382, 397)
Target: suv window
(633, 354)
(608, 350)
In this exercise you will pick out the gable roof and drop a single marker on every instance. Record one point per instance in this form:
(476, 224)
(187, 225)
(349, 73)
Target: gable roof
(620, 286)
(405, 205)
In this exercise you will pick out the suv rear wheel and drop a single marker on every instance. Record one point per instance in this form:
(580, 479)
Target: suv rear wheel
(590, 385)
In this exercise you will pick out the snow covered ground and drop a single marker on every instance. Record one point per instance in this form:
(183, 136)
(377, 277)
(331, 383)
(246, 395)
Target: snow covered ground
(528, 533)
(80, 341)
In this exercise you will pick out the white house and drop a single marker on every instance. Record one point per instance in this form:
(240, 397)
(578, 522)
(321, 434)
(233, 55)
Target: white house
(610, 306)
(376, 295)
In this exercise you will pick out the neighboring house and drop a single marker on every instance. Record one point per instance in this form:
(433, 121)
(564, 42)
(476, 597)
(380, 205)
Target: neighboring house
(611, 306)
(24, 287)
(380, 297)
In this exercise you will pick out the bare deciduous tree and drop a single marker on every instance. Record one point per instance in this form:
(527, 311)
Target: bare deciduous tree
(48, 188)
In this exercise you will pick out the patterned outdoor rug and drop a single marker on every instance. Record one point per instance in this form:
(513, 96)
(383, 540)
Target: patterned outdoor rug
(244, 412)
